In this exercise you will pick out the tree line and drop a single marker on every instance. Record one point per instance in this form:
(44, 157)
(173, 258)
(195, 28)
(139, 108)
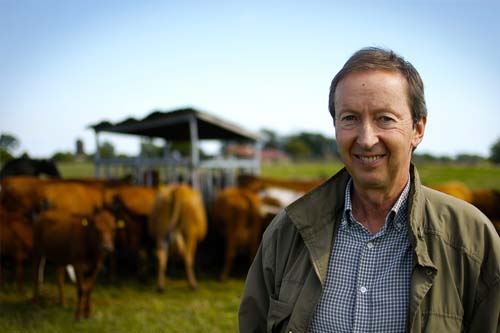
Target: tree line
(298, 146)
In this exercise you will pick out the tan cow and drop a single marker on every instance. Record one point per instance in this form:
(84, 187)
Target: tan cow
(178, 221)
(454, 188)
(70, 240)
(236, 216)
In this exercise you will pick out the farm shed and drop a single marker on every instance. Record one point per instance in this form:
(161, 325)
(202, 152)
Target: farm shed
(182, 125)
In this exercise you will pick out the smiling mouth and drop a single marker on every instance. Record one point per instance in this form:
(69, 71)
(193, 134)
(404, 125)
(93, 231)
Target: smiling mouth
(369, 158)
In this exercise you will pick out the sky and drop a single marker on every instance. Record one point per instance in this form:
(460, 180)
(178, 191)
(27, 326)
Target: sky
(65, 65)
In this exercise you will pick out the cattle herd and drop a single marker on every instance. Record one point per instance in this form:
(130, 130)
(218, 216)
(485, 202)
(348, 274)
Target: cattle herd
(89, 223)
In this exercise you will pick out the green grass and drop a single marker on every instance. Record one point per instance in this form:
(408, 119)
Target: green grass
(476, 176)
(76, 169)
(480, 176)
(131, 307)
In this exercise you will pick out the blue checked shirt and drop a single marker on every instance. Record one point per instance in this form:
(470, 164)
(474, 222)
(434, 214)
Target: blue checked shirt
(367, 286)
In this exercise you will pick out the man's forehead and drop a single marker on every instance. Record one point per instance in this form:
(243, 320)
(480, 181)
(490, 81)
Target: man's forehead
(374, 89)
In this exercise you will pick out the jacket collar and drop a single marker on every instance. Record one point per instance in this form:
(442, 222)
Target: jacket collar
(418, 220)
(318, 213)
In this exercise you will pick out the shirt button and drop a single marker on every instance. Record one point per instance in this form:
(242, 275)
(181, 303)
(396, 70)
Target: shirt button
(363, 290)
(369, 245)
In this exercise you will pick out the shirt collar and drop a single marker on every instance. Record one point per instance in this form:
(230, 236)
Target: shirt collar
(401, 203)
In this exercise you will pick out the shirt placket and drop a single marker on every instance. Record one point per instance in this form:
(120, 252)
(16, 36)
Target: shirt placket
(363, 304)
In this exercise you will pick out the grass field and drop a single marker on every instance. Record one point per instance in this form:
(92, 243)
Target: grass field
(131, 307)
(136, 307)
(478, 176)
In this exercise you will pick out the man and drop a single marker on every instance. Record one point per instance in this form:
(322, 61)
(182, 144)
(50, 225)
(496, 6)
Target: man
(371, 249)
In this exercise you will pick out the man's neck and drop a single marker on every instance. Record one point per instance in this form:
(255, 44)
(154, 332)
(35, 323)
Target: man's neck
(371, 207)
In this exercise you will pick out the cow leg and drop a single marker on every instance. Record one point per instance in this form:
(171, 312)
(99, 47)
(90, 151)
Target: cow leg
(80, 293)
(60, 284)
(162, 254)
(189, 253)
(19, 273)
(113, 267)
(87, 310)
(37, 264)
(229, 256)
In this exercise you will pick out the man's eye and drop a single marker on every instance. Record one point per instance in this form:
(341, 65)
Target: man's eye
(386, 119)
(348, 118)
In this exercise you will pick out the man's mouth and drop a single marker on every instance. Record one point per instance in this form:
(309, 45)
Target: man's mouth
(371, 158)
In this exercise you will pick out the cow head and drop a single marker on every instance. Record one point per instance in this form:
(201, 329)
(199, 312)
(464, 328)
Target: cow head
(105, 225)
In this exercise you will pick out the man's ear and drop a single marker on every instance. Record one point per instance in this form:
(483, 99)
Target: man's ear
(418, 132)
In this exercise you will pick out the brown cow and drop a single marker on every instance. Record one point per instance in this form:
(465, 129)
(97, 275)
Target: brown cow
(16, 241)
(73, 197)
(20, 194)
(488, 201)
(236, 216)
(70, 240)
(178, 219)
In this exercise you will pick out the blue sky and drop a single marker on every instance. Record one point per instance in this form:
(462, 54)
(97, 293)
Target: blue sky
(68, 64)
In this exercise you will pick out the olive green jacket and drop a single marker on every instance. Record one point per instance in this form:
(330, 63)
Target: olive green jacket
(455, 284)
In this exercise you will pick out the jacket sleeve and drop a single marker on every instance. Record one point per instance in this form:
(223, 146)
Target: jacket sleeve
(486, 316)
(486, 311)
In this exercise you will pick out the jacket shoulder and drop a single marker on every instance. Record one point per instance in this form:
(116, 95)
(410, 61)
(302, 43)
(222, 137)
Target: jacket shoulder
(460, 224)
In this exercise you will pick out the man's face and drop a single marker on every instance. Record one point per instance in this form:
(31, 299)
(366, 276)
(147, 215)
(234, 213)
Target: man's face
(374, 129)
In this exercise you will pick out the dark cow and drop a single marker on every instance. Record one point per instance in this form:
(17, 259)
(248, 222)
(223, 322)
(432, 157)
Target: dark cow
(488, 201)
(131, 206)
(178, 220)
(16, 242)
(70, 240)
(30, 167)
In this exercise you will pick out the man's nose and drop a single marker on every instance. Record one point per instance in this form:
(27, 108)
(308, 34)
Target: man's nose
(367, 135)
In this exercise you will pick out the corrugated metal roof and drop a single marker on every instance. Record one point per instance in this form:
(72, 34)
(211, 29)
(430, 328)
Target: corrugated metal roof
(174, 126)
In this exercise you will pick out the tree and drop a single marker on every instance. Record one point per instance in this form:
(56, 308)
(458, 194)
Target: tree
(319, 146)
(5, 156)
(297, 148)
(271, 139)
(495, 152)
(149, 149)
(62, 156)
(8, 142)
(106, 150)
(468, 158)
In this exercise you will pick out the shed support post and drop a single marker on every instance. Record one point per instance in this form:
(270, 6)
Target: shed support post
(195, 158)
(257, 156)
(97, 157)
